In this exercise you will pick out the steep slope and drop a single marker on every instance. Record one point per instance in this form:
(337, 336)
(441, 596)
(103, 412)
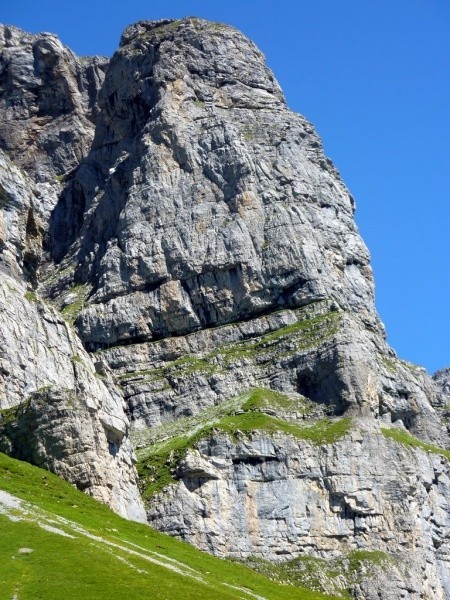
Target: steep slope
(208, 202)
(204, 250)
(48, 102)
(57, 543)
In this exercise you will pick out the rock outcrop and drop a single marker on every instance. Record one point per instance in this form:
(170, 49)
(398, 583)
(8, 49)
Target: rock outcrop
(56, 410)
(48, 101)
(275, 497)
(207, 200)
(442, 379)
(178, 258)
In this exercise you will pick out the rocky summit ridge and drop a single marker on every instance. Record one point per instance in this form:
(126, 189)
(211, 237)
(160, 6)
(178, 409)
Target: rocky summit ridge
(181, 276)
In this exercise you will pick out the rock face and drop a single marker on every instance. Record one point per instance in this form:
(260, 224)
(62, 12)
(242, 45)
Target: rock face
(179, 258)
(48, 100)
(197, 211)
(442, 379)
(275, 497)
(62, 415)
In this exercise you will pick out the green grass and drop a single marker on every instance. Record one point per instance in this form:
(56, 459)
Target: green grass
(406, 439)
(107, 556)
(304, 334)
(248, 134)
(181, 367)
(333, 576)
(357, 558)
(325, 431)
(190, 364)
(30, 296)
(309, 331)
(390, 364)
(8, 415)
(72, 310)
(256, 399)
(55, 276)
(393, 365)
(304, 571)
(265, 398)
(156, 465)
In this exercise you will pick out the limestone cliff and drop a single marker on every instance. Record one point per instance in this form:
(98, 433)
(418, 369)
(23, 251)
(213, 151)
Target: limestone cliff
(173, 237)
(56, 410)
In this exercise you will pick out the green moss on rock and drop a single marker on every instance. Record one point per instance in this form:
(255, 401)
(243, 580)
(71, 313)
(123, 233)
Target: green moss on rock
(336, 576)
(410, 441)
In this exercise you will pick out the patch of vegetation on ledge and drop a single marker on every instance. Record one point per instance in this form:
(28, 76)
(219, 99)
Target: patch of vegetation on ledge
(78, 548)
(264, 398)
(307, 332)
(393, 364)
(325, 431)
(157, 464)
(407, 439)
(181, 367)
(30, 296)
(8, 415)
(255, 399)
(72, 310)
(335, 576)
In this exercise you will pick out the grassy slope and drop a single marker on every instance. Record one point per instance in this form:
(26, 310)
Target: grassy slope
(107, 556)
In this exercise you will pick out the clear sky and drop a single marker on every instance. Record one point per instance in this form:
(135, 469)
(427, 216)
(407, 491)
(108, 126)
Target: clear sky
(373, 76)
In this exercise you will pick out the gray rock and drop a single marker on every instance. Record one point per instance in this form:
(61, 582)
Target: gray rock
(47, 102)
(207, 200)
(170, 206)
(278, 498)
(61, 415)
(442, 379)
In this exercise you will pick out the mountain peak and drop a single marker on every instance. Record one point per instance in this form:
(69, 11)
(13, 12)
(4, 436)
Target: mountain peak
(181, 270)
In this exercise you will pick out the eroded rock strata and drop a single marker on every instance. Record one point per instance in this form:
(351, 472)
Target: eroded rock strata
(180, 266)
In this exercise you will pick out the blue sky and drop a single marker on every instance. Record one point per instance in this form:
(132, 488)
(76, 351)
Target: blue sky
(373, 76)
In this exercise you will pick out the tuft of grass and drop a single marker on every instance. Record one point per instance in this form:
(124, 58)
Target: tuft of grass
(106, 556)
(408, 440)
(30, 296)
(390, 364)
(72, 310)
